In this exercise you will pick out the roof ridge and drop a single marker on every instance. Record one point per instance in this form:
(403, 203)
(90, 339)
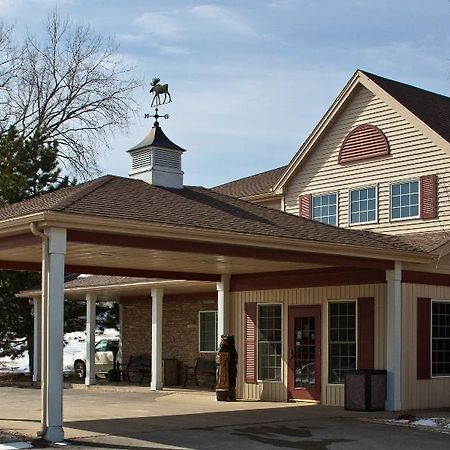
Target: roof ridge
(83, 191)
(250, 176)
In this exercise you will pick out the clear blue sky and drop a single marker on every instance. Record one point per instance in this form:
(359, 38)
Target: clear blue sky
(251, 78)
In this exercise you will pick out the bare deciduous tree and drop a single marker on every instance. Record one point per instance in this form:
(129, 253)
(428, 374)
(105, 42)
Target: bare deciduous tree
(71, 87)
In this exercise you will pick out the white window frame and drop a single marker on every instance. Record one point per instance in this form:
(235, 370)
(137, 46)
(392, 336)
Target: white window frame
(322, 195)
(391, 185)
(199, 331)
(281, 341)
(434, 300)
(329, 302)
(350, 223)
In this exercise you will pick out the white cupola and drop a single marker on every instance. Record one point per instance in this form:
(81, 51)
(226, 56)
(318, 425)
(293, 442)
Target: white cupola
(157, 160)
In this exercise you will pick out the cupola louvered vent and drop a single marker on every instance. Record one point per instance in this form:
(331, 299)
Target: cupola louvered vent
(167, 158)
(157, 160)
(141, 159)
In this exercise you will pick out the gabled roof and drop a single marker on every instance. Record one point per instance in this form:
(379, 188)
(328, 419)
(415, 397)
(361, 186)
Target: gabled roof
(260, 183)
(431, 108)
(427, 111)
(193, 208)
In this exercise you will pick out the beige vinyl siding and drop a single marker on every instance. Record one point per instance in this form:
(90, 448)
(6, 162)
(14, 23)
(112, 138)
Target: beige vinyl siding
(274, 203)
(419, 394)
(277, 391)
(412, 155)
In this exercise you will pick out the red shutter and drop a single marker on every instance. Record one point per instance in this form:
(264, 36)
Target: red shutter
(428, 197)
(250, 343)
(423, 338)
(366, 332)
(305, 206)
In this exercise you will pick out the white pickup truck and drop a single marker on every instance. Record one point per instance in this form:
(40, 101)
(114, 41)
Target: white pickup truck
(104, 358)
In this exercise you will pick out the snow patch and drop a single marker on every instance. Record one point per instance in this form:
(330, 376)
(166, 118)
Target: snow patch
(15, 445)
(74, 343)
(425, 422)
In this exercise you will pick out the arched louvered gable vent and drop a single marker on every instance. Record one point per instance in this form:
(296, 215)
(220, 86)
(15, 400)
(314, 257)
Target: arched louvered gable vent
(364, 142)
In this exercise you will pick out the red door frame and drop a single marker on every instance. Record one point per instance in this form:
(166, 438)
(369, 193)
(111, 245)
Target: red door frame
(295, 311)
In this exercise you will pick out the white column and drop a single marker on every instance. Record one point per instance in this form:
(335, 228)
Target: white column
(394, 337)
(90, 338)
(55, 333)
(44, 308)
(223, 310)
(121, 332)
(37, 336)
(157, 363)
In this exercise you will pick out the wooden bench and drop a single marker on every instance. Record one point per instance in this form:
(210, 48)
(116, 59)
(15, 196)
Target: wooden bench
(201, 367)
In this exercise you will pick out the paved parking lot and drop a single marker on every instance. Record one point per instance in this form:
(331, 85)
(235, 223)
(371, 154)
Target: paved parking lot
(180, 420)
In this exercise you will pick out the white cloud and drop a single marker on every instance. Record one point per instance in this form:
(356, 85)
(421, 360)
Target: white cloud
(160, 25)
(7, 6)
(283, 5)
(218, 16)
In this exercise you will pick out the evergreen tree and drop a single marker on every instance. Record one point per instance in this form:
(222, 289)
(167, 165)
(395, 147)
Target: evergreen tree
(28, 168)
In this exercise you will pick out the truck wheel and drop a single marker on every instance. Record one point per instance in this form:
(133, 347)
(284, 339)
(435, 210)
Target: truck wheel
(80, 370)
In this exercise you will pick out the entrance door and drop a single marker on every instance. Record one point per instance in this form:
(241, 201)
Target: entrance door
(304, 352)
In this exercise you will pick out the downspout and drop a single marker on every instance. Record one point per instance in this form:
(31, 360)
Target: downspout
(44, 312)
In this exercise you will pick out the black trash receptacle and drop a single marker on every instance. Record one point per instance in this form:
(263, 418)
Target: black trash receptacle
(365, 390)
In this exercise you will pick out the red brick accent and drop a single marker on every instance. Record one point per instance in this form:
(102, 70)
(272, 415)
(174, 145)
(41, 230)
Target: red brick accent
(180, 326)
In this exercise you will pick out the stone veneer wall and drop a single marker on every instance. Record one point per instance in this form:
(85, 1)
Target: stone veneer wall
(180, 327)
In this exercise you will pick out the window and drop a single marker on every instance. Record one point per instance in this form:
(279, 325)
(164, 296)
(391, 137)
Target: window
(363, 205)
(405, 200)
(207, 331)
(325, 208)
(440, 343)
(102, 346)
(269, 342)
(341, 340)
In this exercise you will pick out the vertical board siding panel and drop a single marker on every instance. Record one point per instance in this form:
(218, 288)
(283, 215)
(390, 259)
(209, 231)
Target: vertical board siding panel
(331, 394)
(418, 394)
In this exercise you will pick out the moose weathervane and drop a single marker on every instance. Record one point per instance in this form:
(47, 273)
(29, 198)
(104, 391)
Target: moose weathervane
(158, 90)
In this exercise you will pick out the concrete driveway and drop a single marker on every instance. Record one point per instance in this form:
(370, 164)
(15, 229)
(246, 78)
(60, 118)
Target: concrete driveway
(194, 420)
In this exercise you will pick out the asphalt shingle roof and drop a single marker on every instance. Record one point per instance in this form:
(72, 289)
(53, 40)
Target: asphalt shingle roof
(259, 183)
(194, 207)
(431, 108)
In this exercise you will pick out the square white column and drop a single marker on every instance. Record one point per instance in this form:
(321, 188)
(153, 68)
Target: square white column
(223, 310)
(55, 333)
(37, 336)
(157, 363)
(394, 338)
(90, 338)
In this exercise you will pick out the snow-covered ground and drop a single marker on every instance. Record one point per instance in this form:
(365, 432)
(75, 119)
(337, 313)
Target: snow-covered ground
(73, 343)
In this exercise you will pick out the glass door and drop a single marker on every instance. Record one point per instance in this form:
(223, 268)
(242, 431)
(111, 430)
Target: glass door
(304, 352)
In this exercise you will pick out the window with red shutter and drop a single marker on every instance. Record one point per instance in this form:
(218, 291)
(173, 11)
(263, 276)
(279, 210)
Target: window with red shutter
(305, 206)
(250, 342)
(423, 338)
(428, 197)
(366, 330)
